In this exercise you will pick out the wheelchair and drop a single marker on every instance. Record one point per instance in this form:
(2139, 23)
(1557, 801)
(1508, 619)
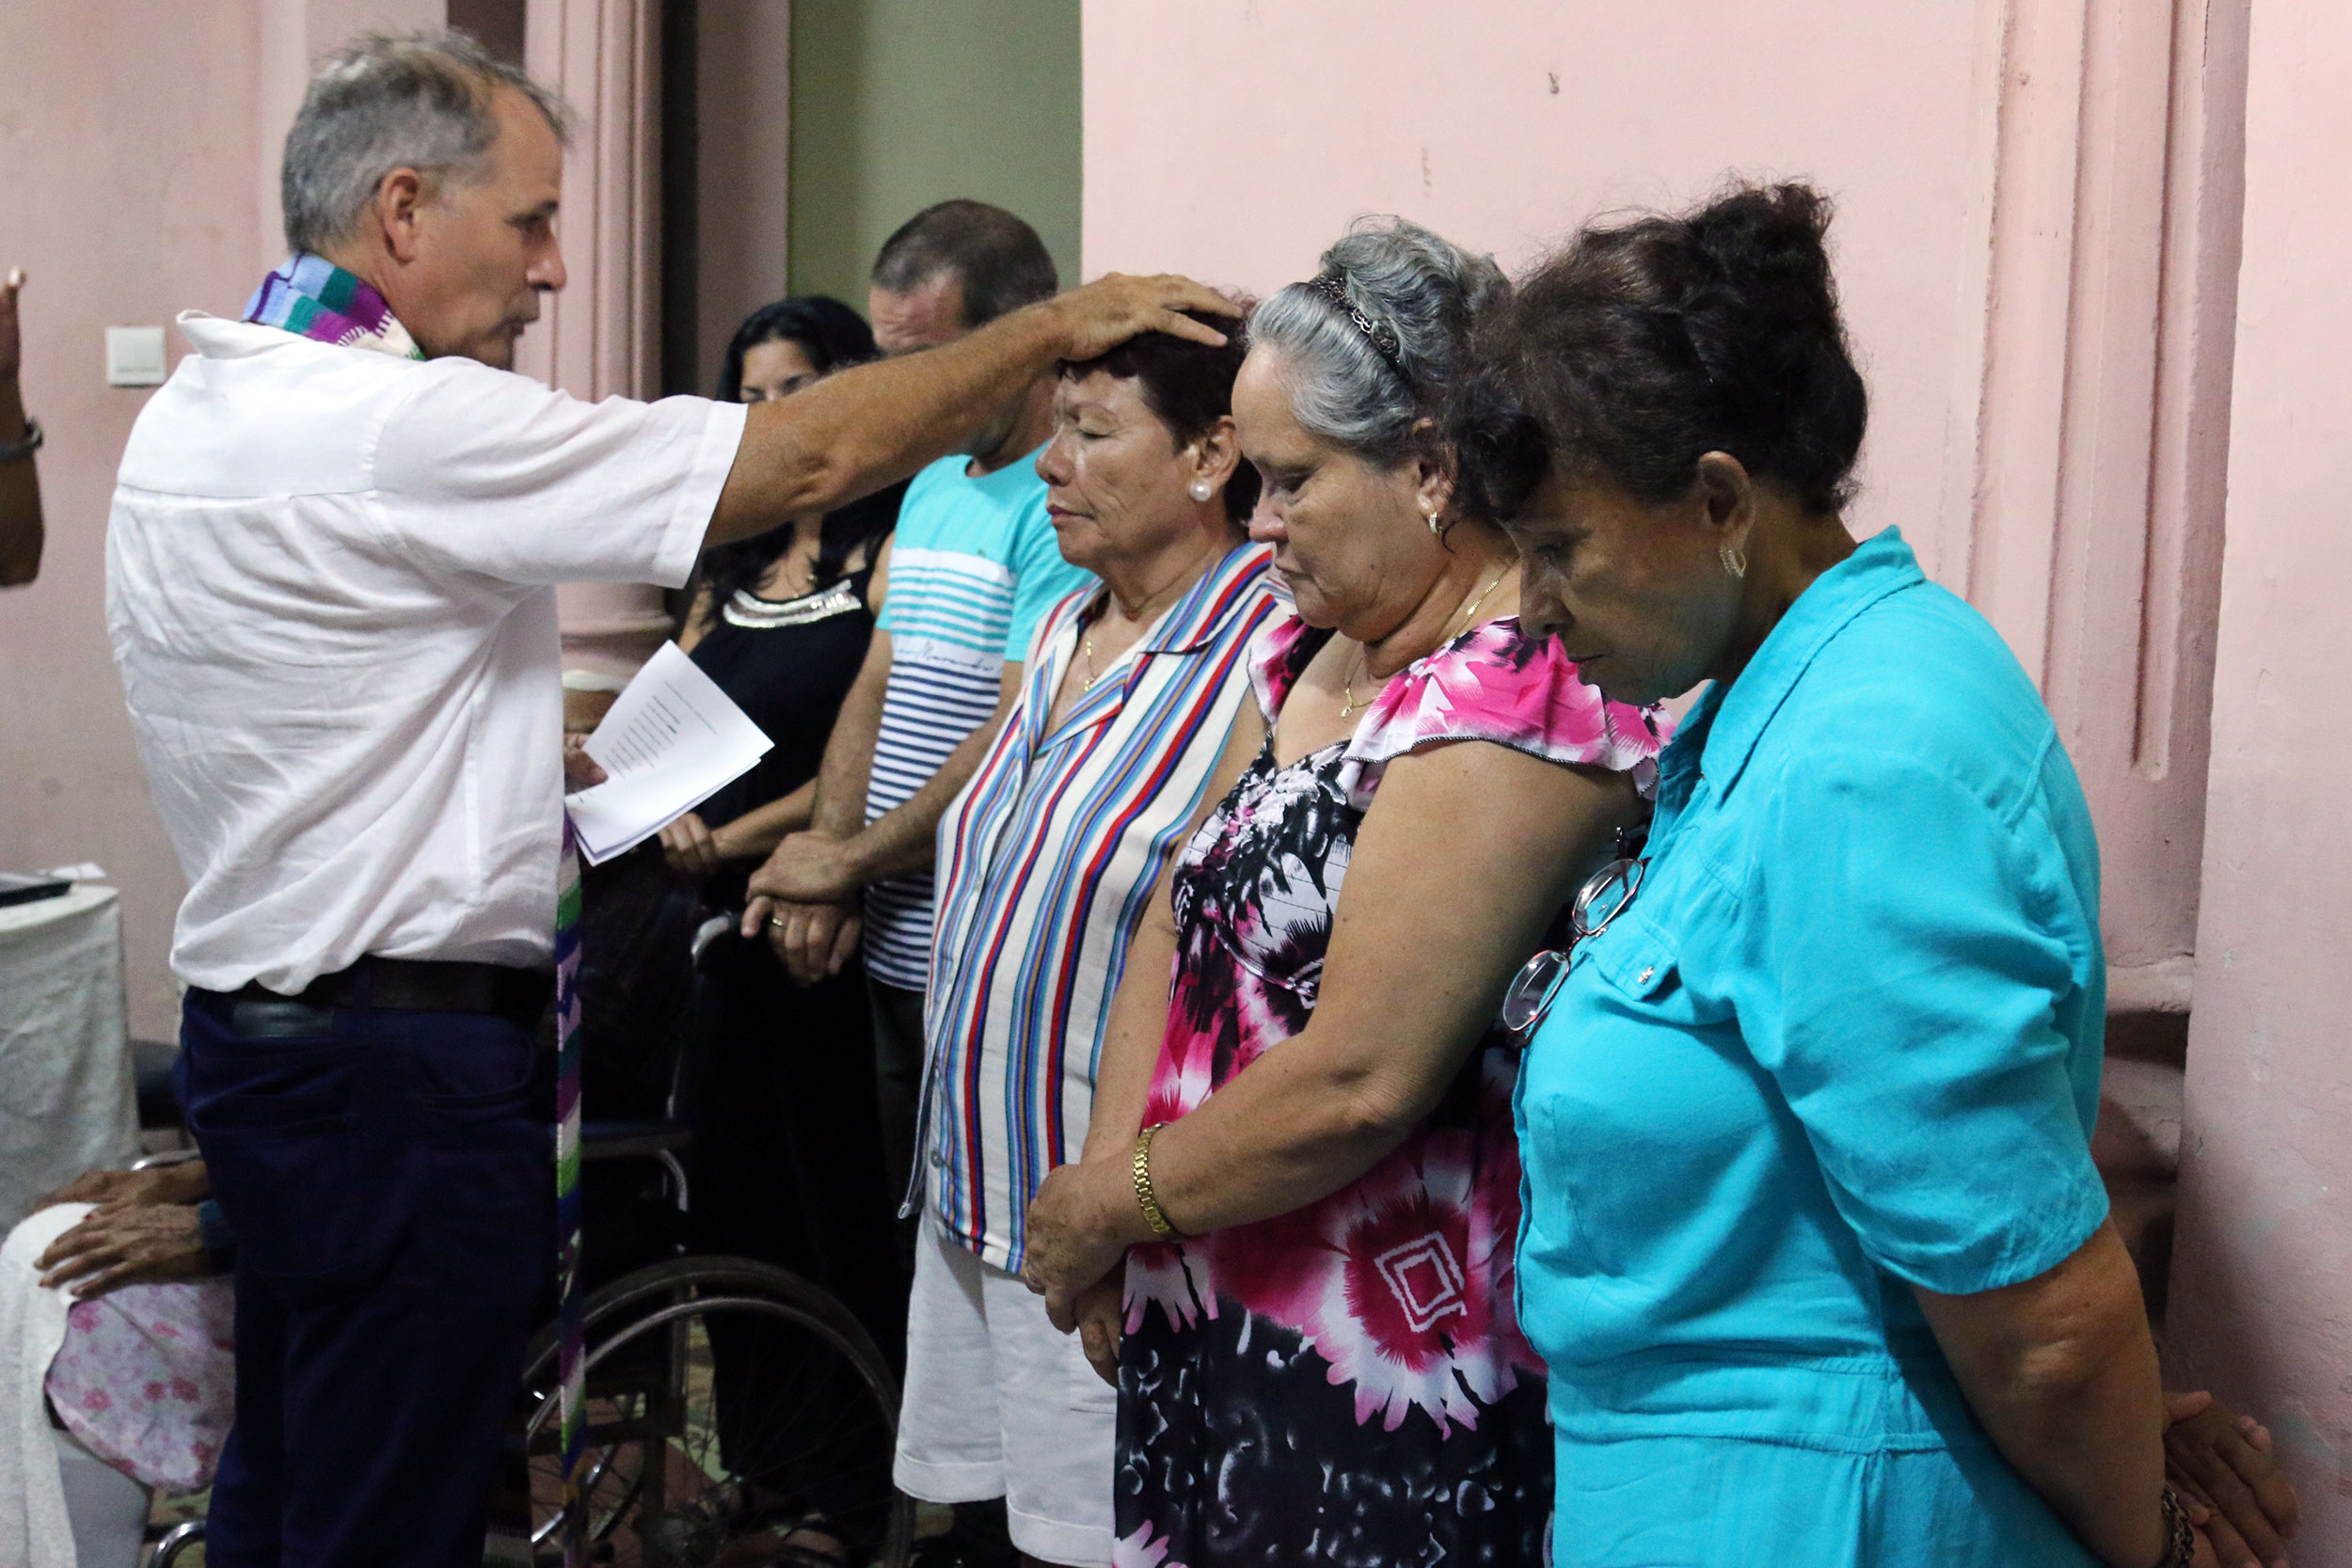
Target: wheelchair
(673, 1473)
(733, 1410)
(668, 1477)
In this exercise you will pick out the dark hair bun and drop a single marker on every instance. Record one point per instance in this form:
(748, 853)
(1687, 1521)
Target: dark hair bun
(1645, 345)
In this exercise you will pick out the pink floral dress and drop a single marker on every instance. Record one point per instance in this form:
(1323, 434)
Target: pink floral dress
(147, 1380)
(1346, 1382)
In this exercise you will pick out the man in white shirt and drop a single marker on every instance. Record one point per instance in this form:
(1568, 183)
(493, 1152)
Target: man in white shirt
(330, 586)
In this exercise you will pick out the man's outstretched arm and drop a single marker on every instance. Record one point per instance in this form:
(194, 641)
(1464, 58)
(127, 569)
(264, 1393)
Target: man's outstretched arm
(852, 434)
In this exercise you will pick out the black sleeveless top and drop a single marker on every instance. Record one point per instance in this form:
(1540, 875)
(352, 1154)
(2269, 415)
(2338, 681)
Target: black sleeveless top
(789, 664)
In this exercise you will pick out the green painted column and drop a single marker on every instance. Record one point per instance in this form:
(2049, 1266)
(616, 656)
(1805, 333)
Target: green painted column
(898, 103)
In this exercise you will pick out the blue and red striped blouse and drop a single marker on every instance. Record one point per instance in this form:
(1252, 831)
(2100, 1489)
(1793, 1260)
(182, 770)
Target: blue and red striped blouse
(1047, 861)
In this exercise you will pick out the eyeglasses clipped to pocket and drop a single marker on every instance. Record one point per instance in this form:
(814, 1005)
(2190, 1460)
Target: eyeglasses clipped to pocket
(1605, 895)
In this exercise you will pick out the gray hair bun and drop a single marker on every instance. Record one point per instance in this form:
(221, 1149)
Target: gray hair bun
(1364, 383)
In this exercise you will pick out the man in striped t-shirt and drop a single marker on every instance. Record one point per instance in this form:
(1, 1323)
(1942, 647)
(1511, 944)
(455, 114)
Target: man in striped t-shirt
(970, 572)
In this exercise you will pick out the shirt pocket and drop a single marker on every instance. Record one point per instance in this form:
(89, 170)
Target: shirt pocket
(1635, 958)
(1639, 1098)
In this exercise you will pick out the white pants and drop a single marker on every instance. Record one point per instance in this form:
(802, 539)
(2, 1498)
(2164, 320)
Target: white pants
(998, 1404)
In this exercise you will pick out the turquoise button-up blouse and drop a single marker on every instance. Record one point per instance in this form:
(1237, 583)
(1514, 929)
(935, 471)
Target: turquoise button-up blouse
(1844, 1040)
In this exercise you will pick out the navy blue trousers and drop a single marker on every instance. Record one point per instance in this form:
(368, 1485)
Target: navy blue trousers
(389, 1179)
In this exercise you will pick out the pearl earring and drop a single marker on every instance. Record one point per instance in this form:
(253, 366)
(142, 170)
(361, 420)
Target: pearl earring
(1735, 563)
(1201, 489)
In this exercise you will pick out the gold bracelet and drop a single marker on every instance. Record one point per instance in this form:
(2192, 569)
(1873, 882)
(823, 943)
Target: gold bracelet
(1145, 1199)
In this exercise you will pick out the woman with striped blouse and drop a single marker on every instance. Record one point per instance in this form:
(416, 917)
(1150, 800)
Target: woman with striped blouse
(1046, 863)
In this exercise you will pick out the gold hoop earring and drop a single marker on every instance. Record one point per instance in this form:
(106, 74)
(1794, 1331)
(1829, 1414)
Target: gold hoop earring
(1735, 563)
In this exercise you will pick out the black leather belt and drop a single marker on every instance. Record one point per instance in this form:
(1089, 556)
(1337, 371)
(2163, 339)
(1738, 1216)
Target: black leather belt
(422, 986)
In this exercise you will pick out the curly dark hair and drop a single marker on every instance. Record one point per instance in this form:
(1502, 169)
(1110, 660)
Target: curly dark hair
(1645, 345)
(1189, 385)
(833, 336)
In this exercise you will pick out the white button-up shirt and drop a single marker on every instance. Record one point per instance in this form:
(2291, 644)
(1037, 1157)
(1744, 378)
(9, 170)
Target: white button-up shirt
(329, 583)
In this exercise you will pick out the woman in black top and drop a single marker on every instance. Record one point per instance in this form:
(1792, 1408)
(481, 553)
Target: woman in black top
(787, 1163)
(781, 620)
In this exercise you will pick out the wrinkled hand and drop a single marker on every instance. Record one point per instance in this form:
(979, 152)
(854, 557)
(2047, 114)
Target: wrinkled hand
(1114, 307)
(1102, 1319)
(581, 770)
(11, 337)
(807, 869)
(2223, 1463)
(185, 1183)
(691, 849)
(125, 1244)
(812, 941)
(1077, 1233)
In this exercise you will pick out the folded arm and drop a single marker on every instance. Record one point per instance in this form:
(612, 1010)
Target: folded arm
(2062, 1372)
(1441, 869)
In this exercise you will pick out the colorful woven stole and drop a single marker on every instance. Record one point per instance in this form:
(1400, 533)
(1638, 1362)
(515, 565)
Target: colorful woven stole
(312, 297)
(567, 1219)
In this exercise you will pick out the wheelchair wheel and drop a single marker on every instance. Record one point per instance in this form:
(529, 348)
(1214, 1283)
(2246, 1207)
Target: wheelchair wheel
(734, 1411)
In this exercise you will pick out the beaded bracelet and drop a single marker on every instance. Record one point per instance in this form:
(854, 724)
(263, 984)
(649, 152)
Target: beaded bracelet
(1145, 1199)
(2179, 1539)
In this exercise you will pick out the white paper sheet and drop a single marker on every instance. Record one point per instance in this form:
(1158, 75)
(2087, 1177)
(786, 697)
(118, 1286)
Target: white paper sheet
(670, 742)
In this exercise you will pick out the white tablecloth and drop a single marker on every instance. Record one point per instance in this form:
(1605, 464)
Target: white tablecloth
(67, 1098)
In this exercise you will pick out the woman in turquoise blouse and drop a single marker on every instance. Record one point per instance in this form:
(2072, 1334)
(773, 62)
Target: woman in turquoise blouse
(1813, 1241)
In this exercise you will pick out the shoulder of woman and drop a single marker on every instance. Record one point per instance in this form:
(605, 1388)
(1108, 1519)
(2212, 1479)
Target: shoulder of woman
(1920, 674)
(1279, 654)
(1497, 683)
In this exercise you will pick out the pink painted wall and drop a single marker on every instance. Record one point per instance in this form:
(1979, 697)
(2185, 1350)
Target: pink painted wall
(2031, 214)
(1502, 125)
(2262, 1284)
(743, 100)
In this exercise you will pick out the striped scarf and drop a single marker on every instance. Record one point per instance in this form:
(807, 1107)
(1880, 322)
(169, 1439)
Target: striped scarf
(312, 297)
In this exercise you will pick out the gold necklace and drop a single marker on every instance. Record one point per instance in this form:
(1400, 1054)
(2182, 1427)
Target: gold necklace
(1363, 657)
(1148, 607)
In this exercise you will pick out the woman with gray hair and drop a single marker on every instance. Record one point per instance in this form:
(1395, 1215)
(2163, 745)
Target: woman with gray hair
(1302, 1152)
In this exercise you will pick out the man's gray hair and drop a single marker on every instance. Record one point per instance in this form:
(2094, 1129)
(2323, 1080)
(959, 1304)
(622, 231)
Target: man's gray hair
(422, 100)
(1422, 291)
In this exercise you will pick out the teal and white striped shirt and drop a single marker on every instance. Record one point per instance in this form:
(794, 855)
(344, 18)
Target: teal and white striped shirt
(973, 567)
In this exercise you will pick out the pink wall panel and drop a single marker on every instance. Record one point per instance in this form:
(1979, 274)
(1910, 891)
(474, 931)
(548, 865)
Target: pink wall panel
(2263, 1281)
(601, 335)
(1235, 140)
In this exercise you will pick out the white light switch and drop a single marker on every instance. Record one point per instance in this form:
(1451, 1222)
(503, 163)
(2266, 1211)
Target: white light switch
(134, 357)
